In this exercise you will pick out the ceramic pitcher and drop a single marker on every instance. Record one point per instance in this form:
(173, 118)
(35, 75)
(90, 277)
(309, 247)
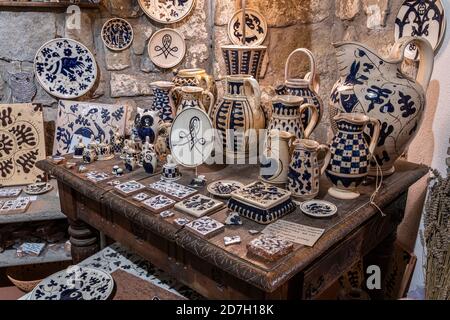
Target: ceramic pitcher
(275, 163)
(192, 97)
(288, 114)
(304, 170)
(306, 88)
(162, 100)
(238, 112)
(377, 87)
(350, 154)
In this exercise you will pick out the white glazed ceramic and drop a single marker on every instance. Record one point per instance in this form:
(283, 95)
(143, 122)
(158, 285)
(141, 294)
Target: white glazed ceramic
(256, 29)
(224, 188)
(117, 34)
(166, 11)
(318, 208)
(166, 48)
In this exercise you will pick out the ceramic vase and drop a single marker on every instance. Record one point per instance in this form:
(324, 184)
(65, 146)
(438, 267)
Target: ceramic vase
(162, 100)
(238, 112)
(304, 170)
(149, 158)
(79, 149)
(241, 60)
(90, 153)
(307, 88)
(146, 124)
(350, 154)
(117, 142)
(377, 87)
(192, 97)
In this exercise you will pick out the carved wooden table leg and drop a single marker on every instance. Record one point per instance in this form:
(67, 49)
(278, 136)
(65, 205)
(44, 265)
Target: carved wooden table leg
(83, 239)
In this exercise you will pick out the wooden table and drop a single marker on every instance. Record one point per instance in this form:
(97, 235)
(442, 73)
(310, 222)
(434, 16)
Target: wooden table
(219, 272)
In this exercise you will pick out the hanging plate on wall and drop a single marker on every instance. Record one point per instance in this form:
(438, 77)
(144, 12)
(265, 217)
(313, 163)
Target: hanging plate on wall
(255, 30)
(65, 68)
(167, 11)
(166, 48)
(117, 34)
(420, 18)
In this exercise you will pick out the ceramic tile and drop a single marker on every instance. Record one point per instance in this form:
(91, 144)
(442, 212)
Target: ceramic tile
(181, 221)
(141, 196)
(270, 247)
(199, 205)
(232, 240)
(172, 189)
(129, 187)
(158, 203)
(261, 195)
(10, 192)
(233, 219)
(15, 206)
(166, 214)
(96, 176)
(205, 227)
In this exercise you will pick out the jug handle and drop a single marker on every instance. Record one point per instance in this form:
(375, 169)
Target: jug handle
(327, 159)
(256, 91)
(291, 143)
(311, 76)
(375, 135)
(426, 56)
(211, 100)
(314, 119)
(174, 93)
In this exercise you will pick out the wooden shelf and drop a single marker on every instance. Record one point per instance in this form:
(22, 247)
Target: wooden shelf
(8, 258)
(37, 5)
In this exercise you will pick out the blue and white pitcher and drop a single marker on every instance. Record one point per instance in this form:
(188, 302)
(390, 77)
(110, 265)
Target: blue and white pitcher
(162, 100)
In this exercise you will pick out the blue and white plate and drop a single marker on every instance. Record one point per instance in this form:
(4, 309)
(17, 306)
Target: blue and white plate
(166, 11)
(65, 68)
(75, 283)
(117, 34)
(318, 208)
(255, 30)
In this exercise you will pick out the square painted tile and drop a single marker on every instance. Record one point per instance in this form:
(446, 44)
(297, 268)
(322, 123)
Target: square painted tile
(199, 205)
(206, 227)
(158, 203)
(129, 187)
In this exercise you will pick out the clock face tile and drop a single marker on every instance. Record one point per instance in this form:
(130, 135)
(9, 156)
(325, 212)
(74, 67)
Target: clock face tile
(199, 205)
(206, 226)
(158, 203)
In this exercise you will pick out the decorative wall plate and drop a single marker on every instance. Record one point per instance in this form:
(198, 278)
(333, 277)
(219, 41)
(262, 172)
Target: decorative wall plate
(22, 144)
(65, 68)
(261, 195)
(191, 137)
(75, 283)
(117, 34)
(421, 18)
(318, 208)
(224, 188)
(166, 48)
(38, 188)
(206, 227)
(199, 205)
(172, 189)
(166, 11)
(256, 29)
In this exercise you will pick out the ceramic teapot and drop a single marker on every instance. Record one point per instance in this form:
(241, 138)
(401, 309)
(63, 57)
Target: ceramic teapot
(350, 154)
(146, 124)
(377, 87)
(162, 100)
(148, 157)
(306, 88)
(192, 97)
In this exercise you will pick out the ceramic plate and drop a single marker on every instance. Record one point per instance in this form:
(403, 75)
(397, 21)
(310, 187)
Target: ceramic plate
(224, 188)
(166, 11)
(166, 48)
(65, 68)
(261, 195)
(75, 283)
(191, 137)
(117, 34)
(421, 18)
(38, 188)
(255, 31)
(318, 208)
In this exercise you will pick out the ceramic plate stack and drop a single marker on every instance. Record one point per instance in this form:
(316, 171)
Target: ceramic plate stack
(261, 202)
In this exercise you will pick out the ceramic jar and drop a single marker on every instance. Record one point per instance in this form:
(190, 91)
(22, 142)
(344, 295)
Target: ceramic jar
(350, 154)
(146, 124)
(307, 88)
(241, 60)
(275, 166)
(90, 153)
(288, 114)
(170, 171)
(162, 99)
(192, 97)
(79, 149)
(238, 112)
(304, 170)
(148, 157)
(377, 87)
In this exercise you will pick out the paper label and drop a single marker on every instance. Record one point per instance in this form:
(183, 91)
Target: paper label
(295, 232)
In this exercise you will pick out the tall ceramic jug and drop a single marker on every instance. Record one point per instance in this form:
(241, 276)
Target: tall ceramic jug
(192, 97)
(162, 100)
(288, 114)
(377, 87)
(306, 88)
(350, 154)
(304, 170)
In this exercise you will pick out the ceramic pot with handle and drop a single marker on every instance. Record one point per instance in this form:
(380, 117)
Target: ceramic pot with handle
(162, 100)
(376, 87)
(192, 97)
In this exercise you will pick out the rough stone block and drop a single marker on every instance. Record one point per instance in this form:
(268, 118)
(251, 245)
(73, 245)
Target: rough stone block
(347, 9)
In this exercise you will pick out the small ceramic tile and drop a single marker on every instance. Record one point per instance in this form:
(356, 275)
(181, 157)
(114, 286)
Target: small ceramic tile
(181, 221)
(253, 232)
(261, 195)
(232, 240)
(270, 247)
(96, 176)
(10, 193)
(166, 214)
(206, 227)
(129, 187)
(159, 203)
(114, 183)
(199, 205)
(15, 206)
(30, 248)
(172, 189)
(141, 196)
(233, 219)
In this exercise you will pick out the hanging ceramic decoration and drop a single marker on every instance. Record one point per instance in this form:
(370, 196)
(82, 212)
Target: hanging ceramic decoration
(22, 144)
(166, 48)
(117, 34)
(420, 18)
(318, 208)
(75, 283)
(166, 11)
(191, 137)
(256, 28)
(65, 68)
(224, 188)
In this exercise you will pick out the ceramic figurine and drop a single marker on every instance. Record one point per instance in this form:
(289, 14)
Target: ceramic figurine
(104, 151)
(117, 141)
(162, 100)
(170, 170)
(288, 114)
(162, 145)
(148, 156)
(132, 156)
(306, 88)
(240, 60)
(90, 153)
(130, 162)
(115, 169)
(146, 124)
(79, 149)
(377, 87)
(126, 146)
(350, 154)
(304, 170)
(192, 97)
(278, 156)
(240, 110)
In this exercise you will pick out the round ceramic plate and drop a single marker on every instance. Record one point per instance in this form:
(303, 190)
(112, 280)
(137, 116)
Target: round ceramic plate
(255, 30)
(166, 11)
(318, 208)
(424, 18)
(191, 137)
(75, 283)
(166, 48)
(65, 68)
(38, 188)
(224, 188)
(117, 34)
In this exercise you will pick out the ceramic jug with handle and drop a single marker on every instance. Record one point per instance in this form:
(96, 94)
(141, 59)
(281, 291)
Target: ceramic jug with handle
(306, 88)
(163, 101)
(304, 170)
(192, 97)
(350, 154)
(377, 87)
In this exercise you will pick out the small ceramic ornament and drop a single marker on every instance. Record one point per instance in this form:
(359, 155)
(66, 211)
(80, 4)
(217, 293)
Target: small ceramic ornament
(199, 205)
(198, 182)
(79, 149)
(146, 124)
(117, 141)
(205, 227)
(70, 165)
(270, 247)
(170, 170)
(132, 157)
(38, 188)
(90, 153)
(231, 240)
(104, 151)
(166, 214)
(149, 158)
